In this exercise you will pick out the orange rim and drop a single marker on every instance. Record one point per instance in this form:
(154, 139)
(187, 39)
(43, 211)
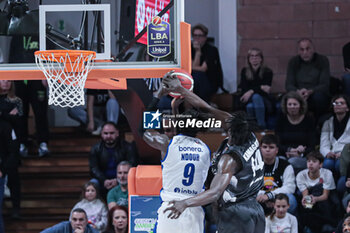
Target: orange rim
(73, 54)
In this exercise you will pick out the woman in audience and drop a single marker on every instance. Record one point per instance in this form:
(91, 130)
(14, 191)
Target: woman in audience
(335, 133)
(296, 130)
(256, 81)
(94, 207)
(280, 219)
(118, 220)
(11, 109)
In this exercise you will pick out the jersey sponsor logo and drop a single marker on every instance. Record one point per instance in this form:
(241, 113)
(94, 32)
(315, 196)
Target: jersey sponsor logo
(190, 148)
(190, 157)
(185, 191)
(250, 151)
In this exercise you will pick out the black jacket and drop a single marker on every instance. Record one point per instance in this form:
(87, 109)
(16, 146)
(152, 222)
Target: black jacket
(99, 158)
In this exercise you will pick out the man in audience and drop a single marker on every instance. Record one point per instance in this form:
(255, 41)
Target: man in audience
(107, 154)
(78, 224)
(278, 176)
(119, 194)
(308, 74)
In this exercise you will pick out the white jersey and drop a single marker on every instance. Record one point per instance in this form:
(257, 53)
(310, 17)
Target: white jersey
(184, 168)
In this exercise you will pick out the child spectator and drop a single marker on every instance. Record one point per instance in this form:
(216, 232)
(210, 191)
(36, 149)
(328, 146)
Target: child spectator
(315, 184)
(256, 81)
(278, 176)
(280, 220)
(94, 207)
(118, 220)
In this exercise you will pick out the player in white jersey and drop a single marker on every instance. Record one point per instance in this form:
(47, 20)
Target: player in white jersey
(238, 172)
(185, 164)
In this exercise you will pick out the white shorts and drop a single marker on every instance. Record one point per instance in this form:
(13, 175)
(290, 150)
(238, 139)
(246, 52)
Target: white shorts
(190, 221)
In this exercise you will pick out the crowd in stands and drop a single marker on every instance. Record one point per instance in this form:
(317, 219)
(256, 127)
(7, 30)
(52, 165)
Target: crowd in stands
(307, 159)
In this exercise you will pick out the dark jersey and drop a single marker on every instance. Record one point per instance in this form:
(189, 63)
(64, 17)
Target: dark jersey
(249, 180)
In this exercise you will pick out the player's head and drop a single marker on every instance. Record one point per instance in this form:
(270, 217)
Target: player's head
(191, 115)
(78, 219)
(239, 128)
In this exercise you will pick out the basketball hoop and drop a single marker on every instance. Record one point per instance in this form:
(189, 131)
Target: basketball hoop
(66, 72)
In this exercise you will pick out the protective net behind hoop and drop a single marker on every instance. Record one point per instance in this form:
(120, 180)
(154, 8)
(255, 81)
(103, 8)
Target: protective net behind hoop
(66, 72)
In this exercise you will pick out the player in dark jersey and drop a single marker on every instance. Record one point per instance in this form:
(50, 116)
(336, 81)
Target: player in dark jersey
(237, 168)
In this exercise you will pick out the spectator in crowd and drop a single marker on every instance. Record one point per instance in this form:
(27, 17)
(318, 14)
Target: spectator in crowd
(256, 81)
(344, 180)
(278, 176)
(296, 130)
(94, 207)
(346, 224)
(107, 154)
(339, 228)
(118, 219)
(78, 223)
(102, 106)
(206, 65)
(10, 111)
(119, 194)
(308, 74)
(346, 77)
(315, 183)
(32, 92)
(7, 153)
(280, 220)
(335, 133)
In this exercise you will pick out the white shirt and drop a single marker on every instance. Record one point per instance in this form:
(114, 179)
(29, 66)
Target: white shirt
(304, 181)
(184, 168)
(288, 224)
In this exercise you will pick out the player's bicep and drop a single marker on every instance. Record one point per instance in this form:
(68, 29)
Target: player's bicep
(227, 167)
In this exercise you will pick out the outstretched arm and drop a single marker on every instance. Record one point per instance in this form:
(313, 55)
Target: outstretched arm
(172, 84)
(227, 167)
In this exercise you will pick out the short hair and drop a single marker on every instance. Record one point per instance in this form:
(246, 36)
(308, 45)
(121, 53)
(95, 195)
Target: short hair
(201, 27)
(293, 95)
(305, 39)
(192, 114)
(239, 127)
(110, 123)
(315, 155)
(79, 210)
(111, 212)
(270, 139)
(123, 163)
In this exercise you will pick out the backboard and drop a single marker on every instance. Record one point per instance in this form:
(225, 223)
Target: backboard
(115, 29)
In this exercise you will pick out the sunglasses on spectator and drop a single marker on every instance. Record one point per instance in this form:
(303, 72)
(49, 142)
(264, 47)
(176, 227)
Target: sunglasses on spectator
(338, 103)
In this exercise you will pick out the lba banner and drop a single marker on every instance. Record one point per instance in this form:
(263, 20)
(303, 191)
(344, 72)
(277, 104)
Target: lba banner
(145, 11)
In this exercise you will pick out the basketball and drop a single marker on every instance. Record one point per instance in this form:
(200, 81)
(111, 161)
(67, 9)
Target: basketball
(156, 20)
(186, 81)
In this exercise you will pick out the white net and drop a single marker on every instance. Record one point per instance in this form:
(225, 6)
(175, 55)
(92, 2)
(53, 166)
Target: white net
(66, 73)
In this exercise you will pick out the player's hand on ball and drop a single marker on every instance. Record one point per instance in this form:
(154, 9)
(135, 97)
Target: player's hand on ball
(171, 82)
(176, 209)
